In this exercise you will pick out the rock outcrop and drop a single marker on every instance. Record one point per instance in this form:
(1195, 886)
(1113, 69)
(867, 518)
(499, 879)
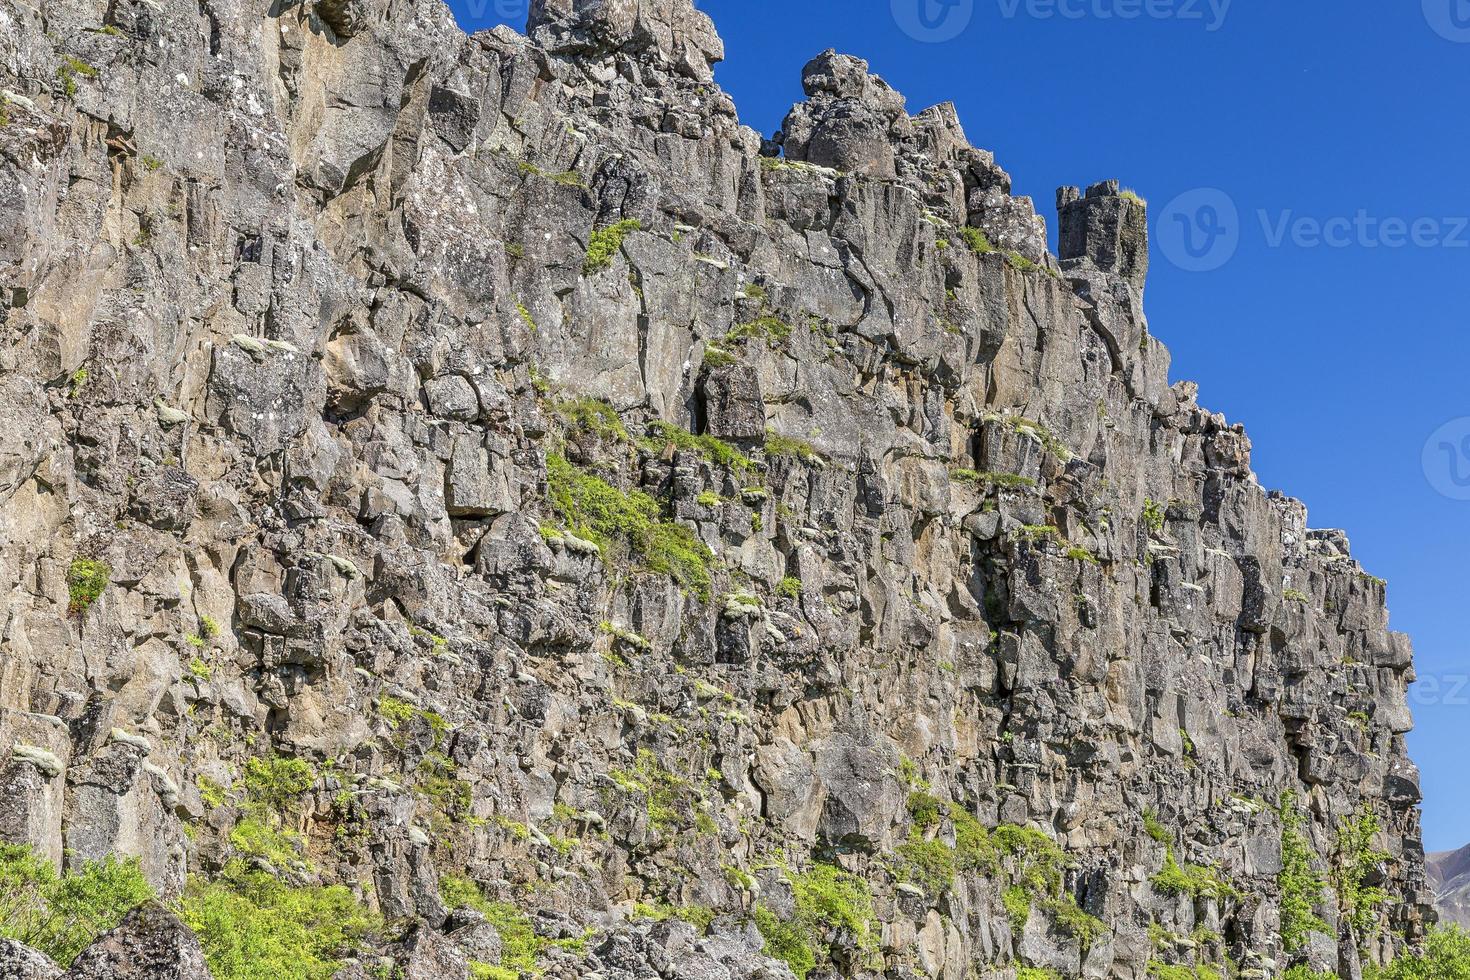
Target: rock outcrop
(725, 556)
(1448, 875)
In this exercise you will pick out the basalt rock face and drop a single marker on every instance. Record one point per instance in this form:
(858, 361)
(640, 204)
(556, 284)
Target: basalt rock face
(369, 358)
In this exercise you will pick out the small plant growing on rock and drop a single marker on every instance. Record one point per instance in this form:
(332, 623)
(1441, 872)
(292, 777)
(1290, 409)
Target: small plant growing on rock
(976, 240)
(789, 587)
(85, 581)
(69, 70)
(605, 244)
(1301, 884)
(829, 903)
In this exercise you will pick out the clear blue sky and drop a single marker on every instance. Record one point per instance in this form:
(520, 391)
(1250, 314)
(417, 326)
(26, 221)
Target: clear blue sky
(1342, 360)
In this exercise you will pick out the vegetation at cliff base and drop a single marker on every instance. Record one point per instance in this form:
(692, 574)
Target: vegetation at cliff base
(255, 927)
(61, 914)
(1446, 957)
(1301, 884)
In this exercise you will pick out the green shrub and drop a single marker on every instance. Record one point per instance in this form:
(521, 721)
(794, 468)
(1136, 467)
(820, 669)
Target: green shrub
(1296, 595)
(1156, 830)
(278, 782)
(264, 839)
(975, 849)
(62, 914)
(976, 240)
(85, 581)
(606, 243)
(1301, 884)
(789, 587)
(925, 809)
(594, 509)
(1358, 859)
(254, 927)
(1446, 956)
(1153, 515)
(829, 901)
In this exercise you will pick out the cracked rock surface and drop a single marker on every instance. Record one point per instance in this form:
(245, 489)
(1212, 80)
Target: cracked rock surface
(653, 524)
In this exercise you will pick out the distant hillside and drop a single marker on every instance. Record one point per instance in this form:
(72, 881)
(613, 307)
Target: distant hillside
(1448, 873)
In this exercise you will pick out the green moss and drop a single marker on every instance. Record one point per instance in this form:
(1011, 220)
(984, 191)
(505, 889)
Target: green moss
(486, 971)
(715, 450)
(594, 509)
(1129, 194)
(520, 947)
(829, 903)
(784, 446)
(85, 582)
(773, 330)
(200, 670)
(253, 927)
(209, 627)
(62, 914)
(718, 357)
(565, 178)
(1005, 481)
(1295, 595)
(789, 587)
(976, 240)
(1079, 553)
(1017, 902)
(669, 798)
(1301, 885)
(606, 243)
(930, 864)
(1036, 973)
(77, 383)
(1196, 880)
(699, 916)
(1155, 829)
(592, 415)
(975, 849)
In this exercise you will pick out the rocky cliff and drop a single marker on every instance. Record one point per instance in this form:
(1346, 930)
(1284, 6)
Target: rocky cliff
(478, 472)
